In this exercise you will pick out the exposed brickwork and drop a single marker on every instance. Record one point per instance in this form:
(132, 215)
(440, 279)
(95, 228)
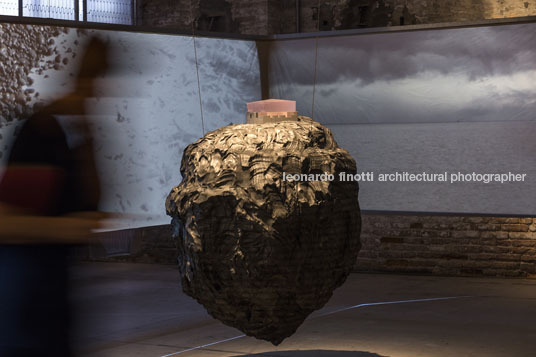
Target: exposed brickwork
(164, 13)
(249, 17)
(262, 17)
(424, 244)
(252, 16)
(347, 14)
(143, 245)
(448, 245)
(511, 8)
(434, 11)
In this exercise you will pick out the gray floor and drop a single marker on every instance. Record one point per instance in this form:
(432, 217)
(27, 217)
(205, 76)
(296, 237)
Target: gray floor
(139, 310)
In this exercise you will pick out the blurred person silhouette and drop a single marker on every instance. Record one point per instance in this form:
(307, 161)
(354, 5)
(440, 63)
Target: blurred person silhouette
(48, 202)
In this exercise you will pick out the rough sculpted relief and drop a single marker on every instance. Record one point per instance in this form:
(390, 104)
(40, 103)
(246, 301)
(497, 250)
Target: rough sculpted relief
(259, 252)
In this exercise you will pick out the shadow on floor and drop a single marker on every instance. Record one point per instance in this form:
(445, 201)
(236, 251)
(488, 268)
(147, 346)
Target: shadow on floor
(313, 353)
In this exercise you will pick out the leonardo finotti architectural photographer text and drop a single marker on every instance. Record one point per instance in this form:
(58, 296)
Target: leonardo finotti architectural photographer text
(452, 177)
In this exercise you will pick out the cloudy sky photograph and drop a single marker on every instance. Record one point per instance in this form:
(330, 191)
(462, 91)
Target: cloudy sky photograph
(456, 100)
(453, 75)
(436, 100)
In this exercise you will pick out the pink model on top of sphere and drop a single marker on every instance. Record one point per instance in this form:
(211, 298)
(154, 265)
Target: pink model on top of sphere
(270, 111)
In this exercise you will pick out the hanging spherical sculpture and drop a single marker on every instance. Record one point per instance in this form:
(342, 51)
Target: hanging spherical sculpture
(265, 230)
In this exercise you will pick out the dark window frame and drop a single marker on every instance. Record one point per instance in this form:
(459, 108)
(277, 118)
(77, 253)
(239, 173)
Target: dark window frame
(76, 4)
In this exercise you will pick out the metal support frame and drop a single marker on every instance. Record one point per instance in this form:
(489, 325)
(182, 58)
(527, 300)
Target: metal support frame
(133, 13)
(84, 10)
(298, 8)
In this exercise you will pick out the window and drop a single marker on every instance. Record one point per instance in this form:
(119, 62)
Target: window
(9, 7)
(53, 9)
(106, 11)
(110, 11)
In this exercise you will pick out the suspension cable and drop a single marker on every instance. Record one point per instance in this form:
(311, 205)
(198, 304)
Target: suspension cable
(316, 61)
(197, 68)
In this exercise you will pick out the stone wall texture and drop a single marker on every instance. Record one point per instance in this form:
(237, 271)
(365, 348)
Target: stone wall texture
(248, 17)
(26, 49)
(402, 243)
(264, 17)
(167, 14)
(448, 245)
(346, 14)
(152, 245)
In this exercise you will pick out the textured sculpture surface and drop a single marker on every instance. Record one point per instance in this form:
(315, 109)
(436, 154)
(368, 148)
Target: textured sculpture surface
(258, 252)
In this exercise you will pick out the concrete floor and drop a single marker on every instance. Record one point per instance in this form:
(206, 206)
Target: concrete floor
(139, 310)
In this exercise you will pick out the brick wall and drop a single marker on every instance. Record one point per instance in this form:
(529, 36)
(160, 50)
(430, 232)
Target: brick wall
(252, 16)
(347, 14)
(424, 244)
(248, 17)
(431, 11)
(262, 17)
(448, 245)
(142, 245)
(166, 14)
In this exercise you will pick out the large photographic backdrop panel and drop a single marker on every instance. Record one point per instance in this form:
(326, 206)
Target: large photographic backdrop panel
(146, 109)
(449, 100)
(291, 65)
(229, 77)
(447, 75)
(481, 147)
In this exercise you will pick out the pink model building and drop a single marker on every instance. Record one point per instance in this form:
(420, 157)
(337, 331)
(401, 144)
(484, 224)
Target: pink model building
(270, 111)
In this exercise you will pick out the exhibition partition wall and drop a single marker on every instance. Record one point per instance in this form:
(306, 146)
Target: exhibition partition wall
(435, 101)
(146, 109)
